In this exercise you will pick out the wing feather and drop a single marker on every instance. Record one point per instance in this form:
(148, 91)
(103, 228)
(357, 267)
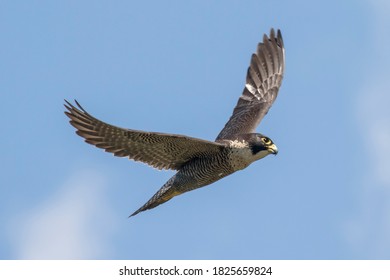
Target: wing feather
(160, 150)
(263, 80)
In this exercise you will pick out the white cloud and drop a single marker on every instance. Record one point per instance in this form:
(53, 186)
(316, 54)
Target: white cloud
(377, 94)
(374, 113)
(369, 232)
(375, 120)
(70, 225)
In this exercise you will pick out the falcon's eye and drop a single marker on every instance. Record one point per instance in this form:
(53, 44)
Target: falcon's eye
(266, 140)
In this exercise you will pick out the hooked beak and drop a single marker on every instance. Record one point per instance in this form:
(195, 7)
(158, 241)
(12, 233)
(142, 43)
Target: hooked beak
(273, 149)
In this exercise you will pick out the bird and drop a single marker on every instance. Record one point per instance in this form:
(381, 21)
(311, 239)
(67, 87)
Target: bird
(198, 162)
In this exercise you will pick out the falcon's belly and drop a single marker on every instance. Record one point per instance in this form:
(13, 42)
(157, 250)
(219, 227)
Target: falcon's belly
(206, 170)
(203, 171)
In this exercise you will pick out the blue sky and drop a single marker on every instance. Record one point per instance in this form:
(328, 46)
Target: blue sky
(179, 67)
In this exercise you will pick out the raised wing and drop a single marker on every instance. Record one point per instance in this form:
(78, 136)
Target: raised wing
(162, 151)
(263, 80)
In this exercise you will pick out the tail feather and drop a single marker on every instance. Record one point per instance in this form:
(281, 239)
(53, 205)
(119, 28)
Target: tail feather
(165, 193)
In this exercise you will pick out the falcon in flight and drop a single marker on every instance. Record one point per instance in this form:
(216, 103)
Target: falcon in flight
(198, 162)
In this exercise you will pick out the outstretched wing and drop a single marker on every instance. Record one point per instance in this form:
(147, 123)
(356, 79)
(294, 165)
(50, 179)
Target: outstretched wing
(162, 151)
(263, 80)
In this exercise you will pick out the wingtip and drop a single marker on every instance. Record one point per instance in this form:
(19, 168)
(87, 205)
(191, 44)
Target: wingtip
(78, 105)
(278, 38)
(265, 38)
(70, 107)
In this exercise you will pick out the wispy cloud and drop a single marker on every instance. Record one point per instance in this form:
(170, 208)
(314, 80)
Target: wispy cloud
(70, 225)
(369, 232)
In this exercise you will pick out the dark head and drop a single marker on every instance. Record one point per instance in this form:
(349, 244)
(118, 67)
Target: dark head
(259, 144)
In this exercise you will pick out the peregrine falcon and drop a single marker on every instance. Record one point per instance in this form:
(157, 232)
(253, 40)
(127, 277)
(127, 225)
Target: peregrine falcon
(198, 162)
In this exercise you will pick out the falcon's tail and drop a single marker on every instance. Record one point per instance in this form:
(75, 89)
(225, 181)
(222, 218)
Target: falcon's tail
(165, 193)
